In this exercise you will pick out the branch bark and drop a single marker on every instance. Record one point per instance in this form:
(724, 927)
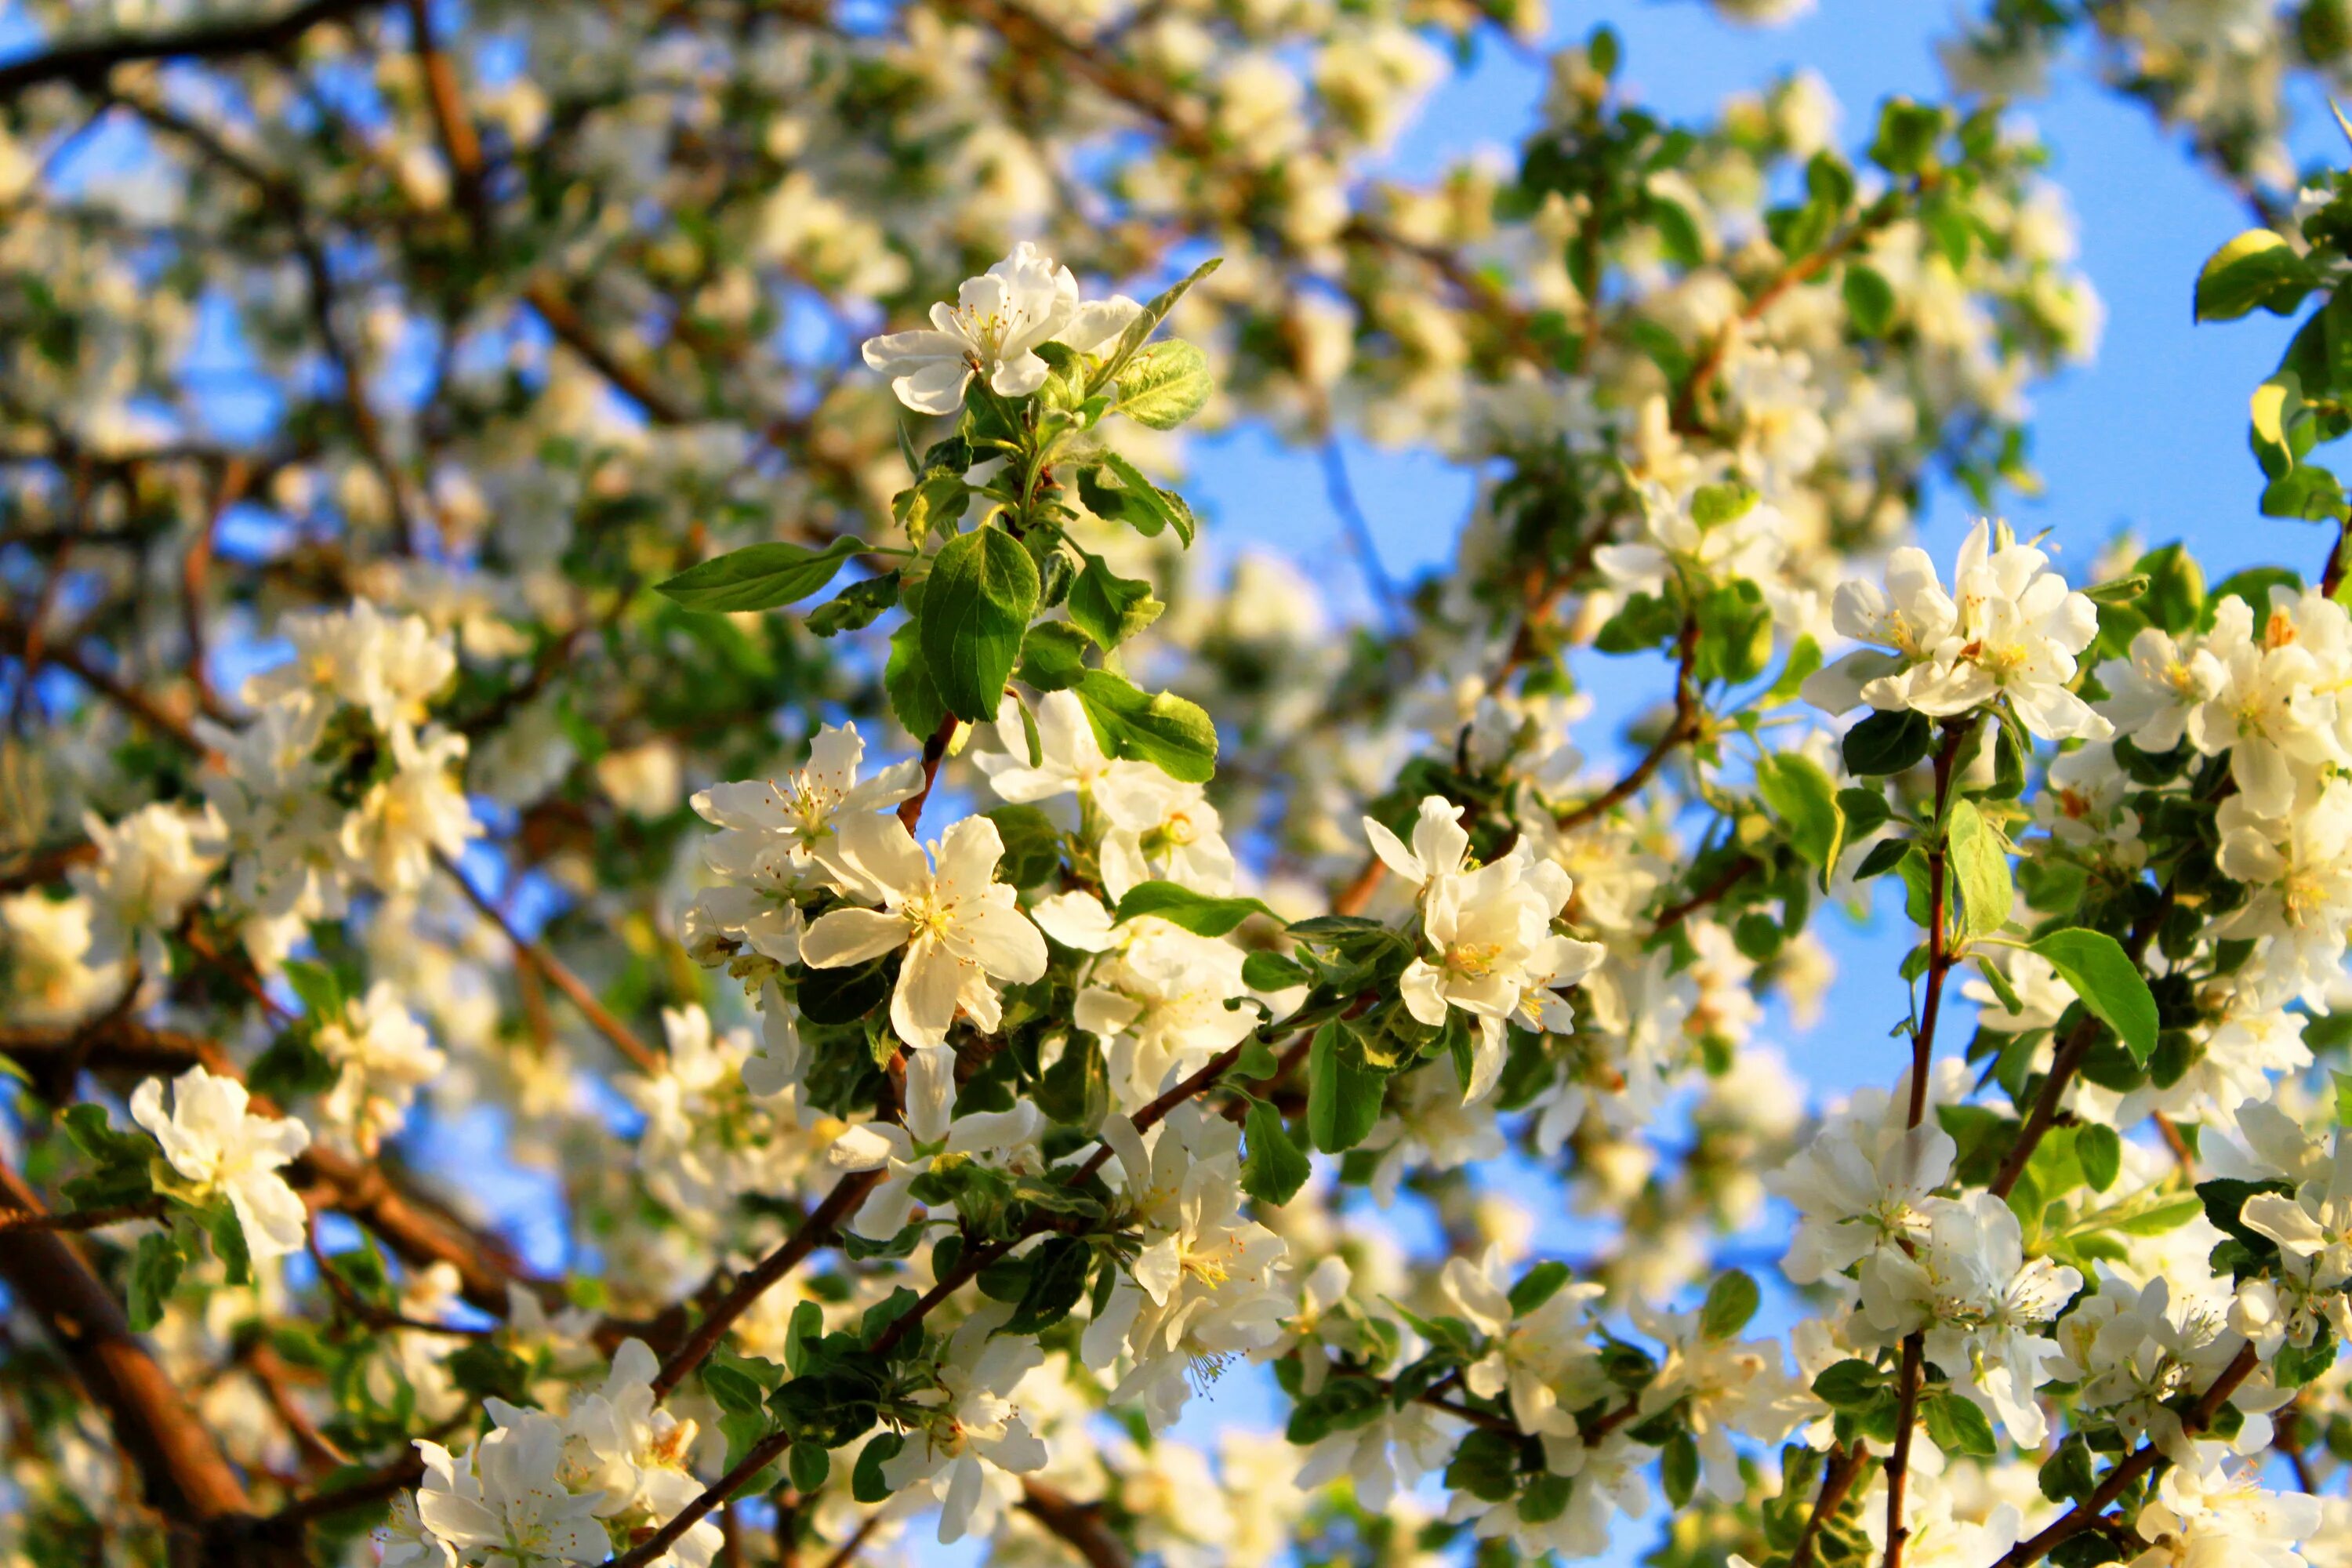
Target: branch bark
(89, 63)
(186, 1476)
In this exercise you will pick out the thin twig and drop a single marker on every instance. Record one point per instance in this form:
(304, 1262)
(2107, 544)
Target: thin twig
(805, 1238)
(1342, 494)
(80, 1219)
(2088, 1514)
(558, 974)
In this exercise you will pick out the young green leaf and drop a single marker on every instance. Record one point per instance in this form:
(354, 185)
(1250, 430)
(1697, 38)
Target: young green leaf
(2257, 268)
(1165, 384)
(976, 609)
(1343, 1090)
(1730, 1303)
(1802, 798)
(1110, 608)
(1166, 730)
(1196, 912)
(2109, 982)
(1275, 1168)
(1979, 861)
(759, 576)
(1134, 499)
(154, 1272)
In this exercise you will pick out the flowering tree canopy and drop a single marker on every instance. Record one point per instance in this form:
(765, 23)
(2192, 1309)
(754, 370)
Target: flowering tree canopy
(599, 599)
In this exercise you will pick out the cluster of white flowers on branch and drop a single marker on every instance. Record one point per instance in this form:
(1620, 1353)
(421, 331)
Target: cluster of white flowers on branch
(955, 1029)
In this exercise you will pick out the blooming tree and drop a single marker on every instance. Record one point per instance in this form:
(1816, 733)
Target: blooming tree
(530, 669)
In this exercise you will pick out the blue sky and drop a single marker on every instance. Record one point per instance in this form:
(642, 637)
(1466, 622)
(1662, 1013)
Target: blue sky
(2150, 435)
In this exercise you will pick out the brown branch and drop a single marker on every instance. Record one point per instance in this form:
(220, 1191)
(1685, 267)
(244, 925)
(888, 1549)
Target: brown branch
(975, 1260)
(386, 1482)
(87, 64)
(558, 974)
(416, 1235)
(1674, 915)
(564, 321)
(1683, 727)
(79, 1219)
(1079, 1524)
(1843, 1471)
(39, 867)
(805, 1238)
(182, 1471)
(2088, 1514)
(195, 569)
(270, 1371)
(911, 810)
(2068, 1060)
(455, 127)
(1804, 270)
(14, 639)
(1923, 1057)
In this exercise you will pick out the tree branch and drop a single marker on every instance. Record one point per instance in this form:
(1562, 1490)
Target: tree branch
(1079, 1524)
(806, 1237)
(2088, 1514)
(646, 1059)
(89, 63)
(184, 1472)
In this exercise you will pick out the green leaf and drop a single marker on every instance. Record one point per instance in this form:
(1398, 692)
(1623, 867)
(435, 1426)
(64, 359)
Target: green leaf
(1032, 844)
(866, 1482)
(1196, 912)
(1164, 385)
(1909, 132)
(1849, 1384)
(758, 577)
(1134, 501)
(2109, 982)
(976, 609)
(1343, 1090)
(2257, 269)
(1166, 730)
(154, 1272)
(1712, 506)
(1275, 1168)
(2100, 1151)
(1537, 1286)
(1678, 1468)
(741, 1383)
(1053, 656)
(1057, 1278)
(1110, 608)
(1271, 972)
(1545, 1498)
(227, 1232)
(1869, 301)
(930, 504)
(808, 1465)
(1887, 744)
(1979, 867)
(805, 1328)
(855, 607)
(1155, 311)
(1730, 1303)
(908, 682)
(321, 991)
(1958, 1427)
(1804, 800)
(87, 1129)
(2306, 493)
